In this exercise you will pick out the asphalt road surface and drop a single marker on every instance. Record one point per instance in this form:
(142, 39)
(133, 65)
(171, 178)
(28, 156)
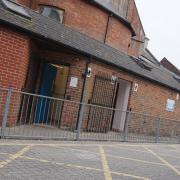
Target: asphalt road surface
(58, 160)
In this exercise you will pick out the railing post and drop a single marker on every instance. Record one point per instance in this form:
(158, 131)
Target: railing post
(78, 130)
(157, 130)
(125, 138)
(5, 112)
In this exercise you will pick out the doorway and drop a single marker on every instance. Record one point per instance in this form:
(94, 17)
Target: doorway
(53, 84)
(103, 96)
(123, 93)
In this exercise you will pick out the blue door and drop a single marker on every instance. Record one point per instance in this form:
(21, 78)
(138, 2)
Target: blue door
(43, 104)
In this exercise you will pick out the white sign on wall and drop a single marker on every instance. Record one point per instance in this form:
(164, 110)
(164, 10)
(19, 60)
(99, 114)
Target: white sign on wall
(136, 86)
(177, 96)
(170, 106)
(73, 82)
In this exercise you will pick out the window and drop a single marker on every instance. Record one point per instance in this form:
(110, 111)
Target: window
(177, 78)
(16, 8)
(51, 12)
(143, 64)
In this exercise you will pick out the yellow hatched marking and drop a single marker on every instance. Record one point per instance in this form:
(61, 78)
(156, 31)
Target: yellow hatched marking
(81, 167)
(164, 161)
(128, 175)
(118, 157)
(84, 167)
(126, 148)
(12, 157)
(107, 173)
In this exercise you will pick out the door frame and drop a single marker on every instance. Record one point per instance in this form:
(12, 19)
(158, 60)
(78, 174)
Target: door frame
(116, 98)
(40, 77)
(106, 78)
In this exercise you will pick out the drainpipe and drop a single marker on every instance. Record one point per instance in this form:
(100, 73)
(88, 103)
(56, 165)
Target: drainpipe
(83, 89)
(107, 27)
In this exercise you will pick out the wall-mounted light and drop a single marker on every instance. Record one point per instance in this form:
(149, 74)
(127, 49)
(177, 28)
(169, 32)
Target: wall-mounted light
(113, 79)
(89, 72)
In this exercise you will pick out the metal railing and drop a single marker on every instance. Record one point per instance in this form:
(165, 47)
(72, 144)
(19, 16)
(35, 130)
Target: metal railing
(31, 116)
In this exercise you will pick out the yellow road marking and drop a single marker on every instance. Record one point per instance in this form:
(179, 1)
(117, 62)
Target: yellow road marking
(173, 146)
(164, 161)
(128, 175)
(125, 148)
(118, 157)
(107, 173)
(84, 167)
(89, 168)
(12, 157)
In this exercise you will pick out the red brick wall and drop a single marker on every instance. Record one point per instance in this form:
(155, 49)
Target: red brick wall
(14, 58)
(15, 50)
(81, 16)
(24, 2)
(168, 65)
(134, 19)
(77, 66)
(150, 98)
(92, 21)
(118, 35)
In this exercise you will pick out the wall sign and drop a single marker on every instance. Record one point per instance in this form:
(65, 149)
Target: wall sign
(136, 86)
(170, 106)
(177, 96)
(73, 82)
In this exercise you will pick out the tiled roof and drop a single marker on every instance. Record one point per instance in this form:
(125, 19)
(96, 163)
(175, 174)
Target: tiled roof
(53, 31)
(148, 55)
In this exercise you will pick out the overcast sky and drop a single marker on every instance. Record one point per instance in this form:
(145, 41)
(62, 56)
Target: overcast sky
(161, 22)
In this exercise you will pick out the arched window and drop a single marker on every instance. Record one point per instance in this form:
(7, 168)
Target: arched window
(51, 12)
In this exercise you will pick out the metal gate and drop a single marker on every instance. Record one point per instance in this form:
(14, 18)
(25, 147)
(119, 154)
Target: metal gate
(18, 114)
(103, 96)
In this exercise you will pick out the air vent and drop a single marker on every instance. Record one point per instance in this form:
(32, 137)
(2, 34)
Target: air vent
(16, 8)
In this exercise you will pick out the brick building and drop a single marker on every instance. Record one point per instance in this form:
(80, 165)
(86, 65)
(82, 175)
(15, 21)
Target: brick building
(168, 65)
(94, 51)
